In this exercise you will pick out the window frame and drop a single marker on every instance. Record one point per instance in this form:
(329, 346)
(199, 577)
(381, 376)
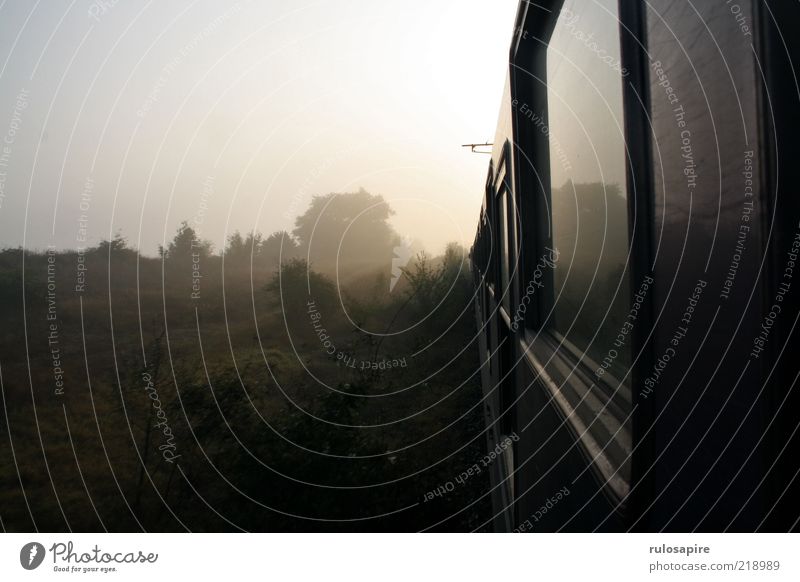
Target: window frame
(491, 235)
(506, 221)
(563, 370)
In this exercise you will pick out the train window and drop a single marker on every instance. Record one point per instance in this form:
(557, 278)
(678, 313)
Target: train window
(489, 235)
(587, 184)
(505, 246)
(506, 230)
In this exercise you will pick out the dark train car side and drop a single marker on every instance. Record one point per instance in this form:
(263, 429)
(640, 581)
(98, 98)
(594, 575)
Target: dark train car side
(635, 264)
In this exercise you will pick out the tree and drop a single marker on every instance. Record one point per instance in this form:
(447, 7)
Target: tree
(279, 247)
(113, 246)
(454, 262)
(186, 243)
(347, 232)
(296, 284)
(240, 250)
(424, 281)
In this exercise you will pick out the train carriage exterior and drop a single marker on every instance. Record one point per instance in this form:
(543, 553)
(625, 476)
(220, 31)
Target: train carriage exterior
(635, 261)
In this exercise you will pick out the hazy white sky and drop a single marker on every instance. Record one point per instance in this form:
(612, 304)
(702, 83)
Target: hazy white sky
(232, 115)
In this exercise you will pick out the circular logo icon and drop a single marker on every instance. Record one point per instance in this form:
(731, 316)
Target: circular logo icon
(31, 555)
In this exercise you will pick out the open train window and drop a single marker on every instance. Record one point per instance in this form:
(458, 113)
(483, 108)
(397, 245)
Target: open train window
(570, 113)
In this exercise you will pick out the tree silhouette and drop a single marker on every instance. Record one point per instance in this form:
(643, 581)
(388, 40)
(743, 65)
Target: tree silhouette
(187, 243)
(240, 250)
(277, 248)
(113, 246)
(296, 284)
(348, 231)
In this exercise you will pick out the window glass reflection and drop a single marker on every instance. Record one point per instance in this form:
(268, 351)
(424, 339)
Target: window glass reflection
(587, 170)
(505, 245)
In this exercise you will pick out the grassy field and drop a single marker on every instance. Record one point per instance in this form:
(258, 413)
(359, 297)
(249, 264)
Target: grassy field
(198, 393)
